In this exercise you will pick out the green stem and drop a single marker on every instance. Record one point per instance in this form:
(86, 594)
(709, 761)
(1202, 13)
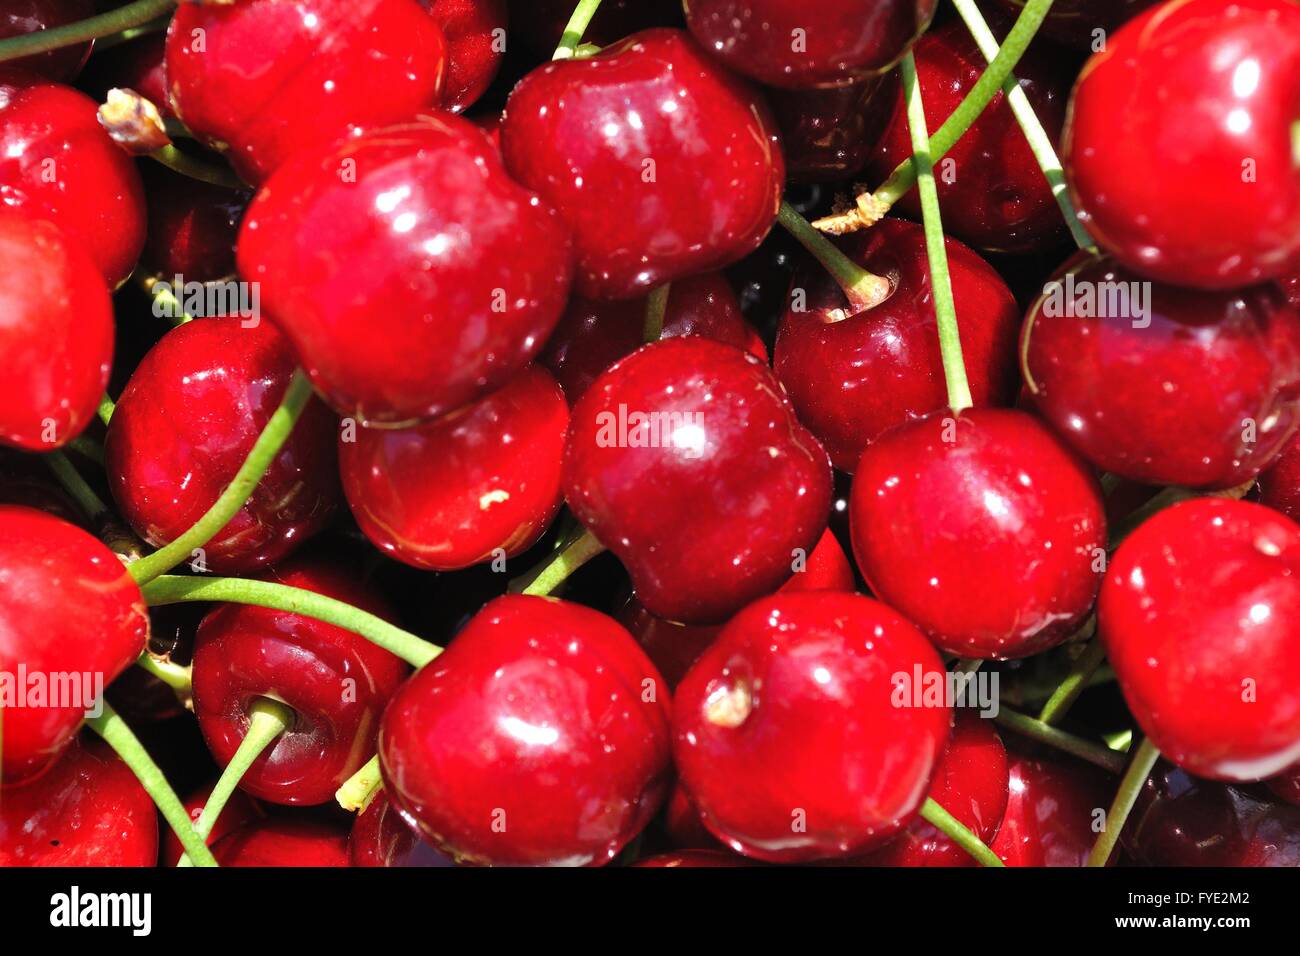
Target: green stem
(1026, 726)
(187, 165)
(1129, 788)
(105, 410)
(156, 25)
(118, 735)
(575, 28)
(88, 448)
(360, 788)
(1120, 740)
(176, 676)
(76, 486)
(1063, 698)
(863, 289)
(656, 306)
(562, 565)
(165, 301)
(953, 828)
(106, 24)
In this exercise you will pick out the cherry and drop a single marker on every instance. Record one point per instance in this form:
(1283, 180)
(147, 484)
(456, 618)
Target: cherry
(685, 459)
(69, 610)
(1055, 806)
(258, 87)
(692, 858)
(1200, 614)
(475, 31)
(336, 682)
(539, 736)
(1168, 385)
(541, 23)
(683, 825)
(282, 842)
(663, 164)
(382, 836)
(1286, 786)
(458, 490)
(853, 377)
(1083, 24)
(1279, 483)
(192, 227)
(58, 163)
(56, 339)
(673, 647)
(30, 16)
(184, 425)
(799, 45)
(1214, 204)
(423, 285)
(240, 811)
(828, 135)
(88, 809)
(982, 528)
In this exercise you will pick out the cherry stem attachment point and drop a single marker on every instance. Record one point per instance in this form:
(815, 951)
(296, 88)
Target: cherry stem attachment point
(105, 24)
(1063, 698)
(559, 567)
(656, 307)
(863, 289)
(360, 788)
(953, 828)
(1130, 786)
(575, 28)
(1026, 726)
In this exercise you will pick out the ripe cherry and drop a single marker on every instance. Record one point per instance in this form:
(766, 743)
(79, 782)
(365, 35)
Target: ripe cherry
(30, 16)
(663, 164)
(828, 135)
(1279, 483)
(282, 842)
(475, 31)
(1055, 809)
(541, 23)
(240, 811)
(193, 226)
(383, 836)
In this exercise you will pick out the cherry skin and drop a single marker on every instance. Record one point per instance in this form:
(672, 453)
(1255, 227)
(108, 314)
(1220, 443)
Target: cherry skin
(58, 163)
(88, 809)
(843, 40)
(540, 736)
(240, 811)
(691, 859)
(188, 418)
(452, 493)
(1200, 614)
(382, 836)
(1279, 483)
(540, 23)
(1215, 208)
(851, 378)
(828, 135)
(802, 682)
(1054, 805)
(30, 16)
(983, 529)
(193, 226)
(710, 495)
(663, 164)
(1196, 388)
(420, 287)
(336, 682)
(284, 842)
(56, 340)
(475, 31)
(259, 87)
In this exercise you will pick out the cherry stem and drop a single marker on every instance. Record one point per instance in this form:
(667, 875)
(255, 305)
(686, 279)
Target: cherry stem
(1130, 786)
(165, 301)
(156, 25)
(88, 448)
(656, 307)
(105, 410)
(560, 567)
(360, 788)
(124, 742)
(106, 24)
(187, 165)
(575, 28)
(76, 486)
(1063, 698)
(1026, 726)
(1120, 740)
(177, 589)
(863, 289)
(267, 720)
(953, 828)
(936, 251)
(178, 677)
(226, 506)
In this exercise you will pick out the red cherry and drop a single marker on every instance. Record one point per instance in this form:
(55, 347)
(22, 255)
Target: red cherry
(240, 811)
(69, 610)
(192, 227)
(284, 841)
(184, 425)
(420, 287)
(475, 31)
(336, 682)
(806, 683)
(56, 337)
(58, 163)
(1287, 785)
(382, 836)
(983, 529)
(1279, 483)
(539, 736)
(1200, 613)
(260, 79)
(798, 44)
(1215, 204)
(541, 23)
(1081, 24)
(663, 164)
(30, 16)
(683, 825)
(671, 646)
(828, 135)
(853, 377)
(685, 459)
(1055, 807)
(448, 494)
(692, 858)
(1197, 388)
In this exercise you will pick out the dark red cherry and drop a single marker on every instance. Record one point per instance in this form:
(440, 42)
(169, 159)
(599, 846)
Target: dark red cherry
(1160, 384)
(58, 163)
(983, 529)
(852, 377)
(1200, 613)
(383, 836)
(686, 460)
(693, 858)
(260, 79)
(806, 682)
(336, 682)
(541, 23)
(458, 490)
(56, 337)
(673, 647)
(1279, 483)
(1286, 786)
(240, 811)
(1215, 205)
(797, 44)
(184, 425)
(88, 809)
(284, 842)
(1055, 809)
(663, 164)
(540, 736)
(419, 287)
(828, 135)
(193, 226)
(30, 16)
(475, 31)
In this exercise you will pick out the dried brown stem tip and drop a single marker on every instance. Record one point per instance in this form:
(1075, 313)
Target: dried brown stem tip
(862, 213)
(133, 122)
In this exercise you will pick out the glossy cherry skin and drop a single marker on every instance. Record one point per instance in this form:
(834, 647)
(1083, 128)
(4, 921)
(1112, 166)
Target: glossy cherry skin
(1214, 209)
(705, 497)
(828, 135)
(382, 836)
(663, 164)
(853, 378)
(540, 23)
(271, 78)
(1279, 483)
(88, 809)
(540, 736)
(30, 16)
(448, 494)
(284, 842)
(692, 858)
(1200, 388)
(805, 682)
(799, 45)
(1054, 808)
(56, 339)
(193, 226)
(58, 163)
(475, 32)
(1200, 613)
(240, 811)
(1286, 786)
(336, 682)
(184, 425)
(423, 285)
(983, 529)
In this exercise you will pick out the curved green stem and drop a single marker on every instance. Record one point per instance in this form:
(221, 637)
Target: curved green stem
(1026, 726)
(88, 448)
(938, 817)
(360, 788)
(176, 676)
(76, 486)
(862, 288)
(1063, 698)
(575, 28)
(1129, 787)
(156, 25)
(106, 24)
(561, 566)
(185, 164)
(656, 306)
(105, 410)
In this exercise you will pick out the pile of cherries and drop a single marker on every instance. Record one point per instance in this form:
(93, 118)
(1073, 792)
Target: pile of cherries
(407, 414)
